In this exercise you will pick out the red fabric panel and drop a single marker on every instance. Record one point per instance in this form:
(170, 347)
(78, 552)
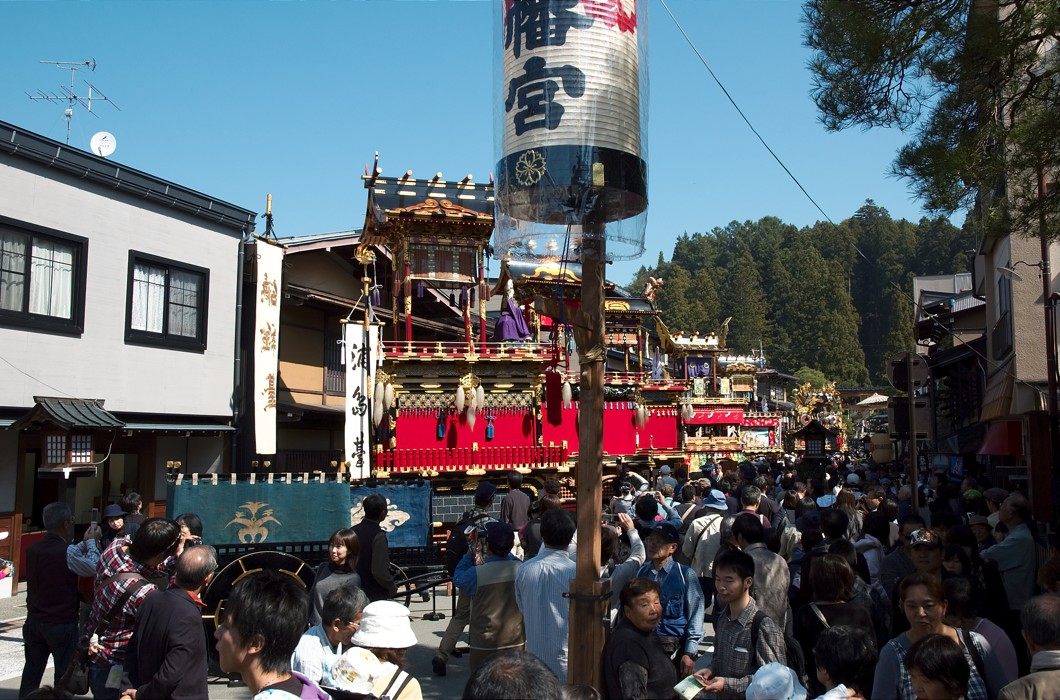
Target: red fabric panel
(1003, 439)
(620, 429)
(660, 431)
(565, 429)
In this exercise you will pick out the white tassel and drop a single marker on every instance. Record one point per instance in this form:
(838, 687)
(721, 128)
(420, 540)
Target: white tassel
(472, 409)
(377, 412)
(377, 395)
(460, 398)
(480, 397)
(568, 393)
(471, 421)
(388, 397)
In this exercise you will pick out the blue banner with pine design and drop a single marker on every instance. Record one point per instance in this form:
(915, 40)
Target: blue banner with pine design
(245, 513)
(408, 519)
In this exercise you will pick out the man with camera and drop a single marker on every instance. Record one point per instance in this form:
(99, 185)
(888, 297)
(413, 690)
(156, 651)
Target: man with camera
(495, 623)
(455, 548)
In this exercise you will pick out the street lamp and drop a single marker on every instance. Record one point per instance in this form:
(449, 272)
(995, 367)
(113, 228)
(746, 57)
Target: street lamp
(1011, 273)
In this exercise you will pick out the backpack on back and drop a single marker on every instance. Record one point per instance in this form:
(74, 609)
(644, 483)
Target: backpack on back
(796, 660)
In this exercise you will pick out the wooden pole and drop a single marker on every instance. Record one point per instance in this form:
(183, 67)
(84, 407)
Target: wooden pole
(588, 596)
(482, 282)
(408, 301)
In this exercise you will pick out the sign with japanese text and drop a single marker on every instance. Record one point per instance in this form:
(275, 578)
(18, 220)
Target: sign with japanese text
(569, 120)
(269, 266)
(571, 74)
(361, 348)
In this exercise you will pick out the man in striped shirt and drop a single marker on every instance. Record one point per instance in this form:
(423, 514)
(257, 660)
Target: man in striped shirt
(738, 652)
(539, 588)
(122, 566)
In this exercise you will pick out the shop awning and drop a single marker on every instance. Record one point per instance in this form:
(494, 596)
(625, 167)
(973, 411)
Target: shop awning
(998, 400)
(1003, 439)
(179, 428)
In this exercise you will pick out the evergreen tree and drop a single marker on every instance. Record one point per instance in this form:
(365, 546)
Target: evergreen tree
(743, 299)
(976, 83)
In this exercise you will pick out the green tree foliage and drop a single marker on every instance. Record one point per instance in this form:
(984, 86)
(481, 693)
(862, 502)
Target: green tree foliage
(975, 83)
(804, 295)
(744, 299)
(814, 377)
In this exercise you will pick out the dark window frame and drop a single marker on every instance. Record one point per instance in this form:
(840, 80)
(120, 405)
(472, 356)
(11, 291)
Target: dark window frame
(165, 339)
(42, 323)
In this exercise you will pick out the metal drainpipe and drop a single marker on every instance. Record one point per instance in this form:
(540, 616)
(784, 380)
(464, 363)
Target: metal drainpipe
(237, 393)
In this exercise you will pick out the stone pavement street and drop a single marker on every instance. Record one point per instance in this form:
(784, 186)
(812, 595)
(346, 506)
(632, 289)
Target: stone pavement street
(13, 612)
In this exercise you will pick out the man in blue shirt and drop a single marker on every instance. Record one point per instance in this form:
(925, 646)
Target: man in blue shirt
(681, 627)
(539, 587)
(496, 623)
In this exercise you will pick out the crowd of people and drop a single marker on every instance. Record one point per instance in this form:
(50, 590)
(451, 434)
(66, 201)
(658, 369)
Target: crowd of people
(831, 587)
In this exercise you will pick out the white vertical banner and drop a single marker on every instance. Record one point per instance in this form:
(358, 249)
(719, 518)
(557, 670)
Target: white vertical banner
(360, 347)
(266, 343)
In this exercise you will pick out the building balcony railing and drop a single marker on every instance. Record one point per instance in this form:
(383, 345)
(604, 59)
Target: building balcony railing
(441, 350)
(462, 459)
(706, 444)
(295, 461)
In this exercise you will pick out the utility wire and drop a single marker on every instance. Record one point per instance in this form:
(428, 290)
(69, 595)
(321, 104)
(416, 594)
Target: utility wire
(907, 295)
(39, 381)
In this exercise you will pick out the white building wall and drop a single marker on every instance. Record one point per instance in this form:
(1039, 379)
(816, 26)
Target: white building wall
(99, 364)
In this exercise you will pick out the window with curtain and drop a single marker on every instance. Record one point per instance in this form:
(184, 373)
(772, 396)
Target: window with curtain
(42, 279)
(167, 303)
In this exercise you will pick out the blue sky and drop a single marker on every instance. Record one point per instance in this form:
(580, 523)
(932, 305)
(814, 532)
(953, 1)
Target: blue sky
(241, 98)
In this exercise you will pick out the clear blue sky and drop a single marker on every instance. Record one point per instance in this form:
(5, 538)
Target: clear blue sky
(241, 98)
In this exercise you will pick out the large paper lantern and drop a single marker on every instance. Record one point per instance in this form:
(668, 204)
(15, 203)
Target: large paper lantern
(571, 126)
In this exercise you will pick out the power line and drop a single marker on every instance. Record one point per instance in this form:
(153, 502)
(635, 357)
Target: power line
(907, 295)
(39, 381)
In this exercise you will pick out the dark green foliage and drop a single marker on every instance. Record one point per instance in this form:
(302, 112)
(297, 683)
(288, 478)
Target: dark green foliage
(976, 84)
(804, 295)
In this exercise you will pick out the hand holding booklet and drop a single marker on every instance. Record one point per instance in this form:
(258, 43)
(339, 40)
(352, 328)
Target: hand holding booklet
(689, 688)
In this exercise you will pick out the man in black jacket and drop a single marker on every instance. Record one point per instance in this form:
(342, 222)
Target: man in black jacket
(373, 566)
(167, 653)
(51, 600)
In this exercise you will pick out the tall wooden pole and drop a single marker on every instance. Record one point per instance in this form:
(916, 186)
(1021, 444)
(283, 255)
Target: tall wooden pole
(588, 595)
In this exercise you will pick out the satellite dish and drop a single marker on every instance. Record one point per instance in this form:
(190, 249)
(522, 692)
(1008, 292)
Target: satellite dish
(103, 143)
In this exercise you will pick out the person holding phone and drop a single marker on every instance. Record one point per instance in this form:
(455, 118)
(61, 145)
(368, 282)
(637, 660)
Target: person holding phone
(81, 559)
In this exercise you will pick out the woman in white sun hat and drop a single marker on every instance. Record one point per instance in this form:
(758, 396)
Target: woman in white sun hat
(386, 631)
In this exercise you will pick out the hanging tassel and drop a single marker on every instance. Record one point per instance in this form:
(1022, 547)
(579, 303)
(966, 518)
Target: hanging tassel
(376, 299)
(459, 398)
(463, 296)
(568, 393)
(452, 299)
(480, 397)
(388, 397)
(471, 421)
(489, 427)
(377, 395)
(471, 294)
(421, 289)
(441, 425)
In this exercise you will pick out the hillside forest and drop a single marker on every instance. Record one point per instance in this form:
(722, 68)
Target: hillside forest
(806, 296)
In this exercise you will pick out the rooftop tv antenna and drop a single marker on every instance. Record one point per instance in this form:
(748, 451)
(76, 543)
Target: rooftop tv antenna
(69, 96)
